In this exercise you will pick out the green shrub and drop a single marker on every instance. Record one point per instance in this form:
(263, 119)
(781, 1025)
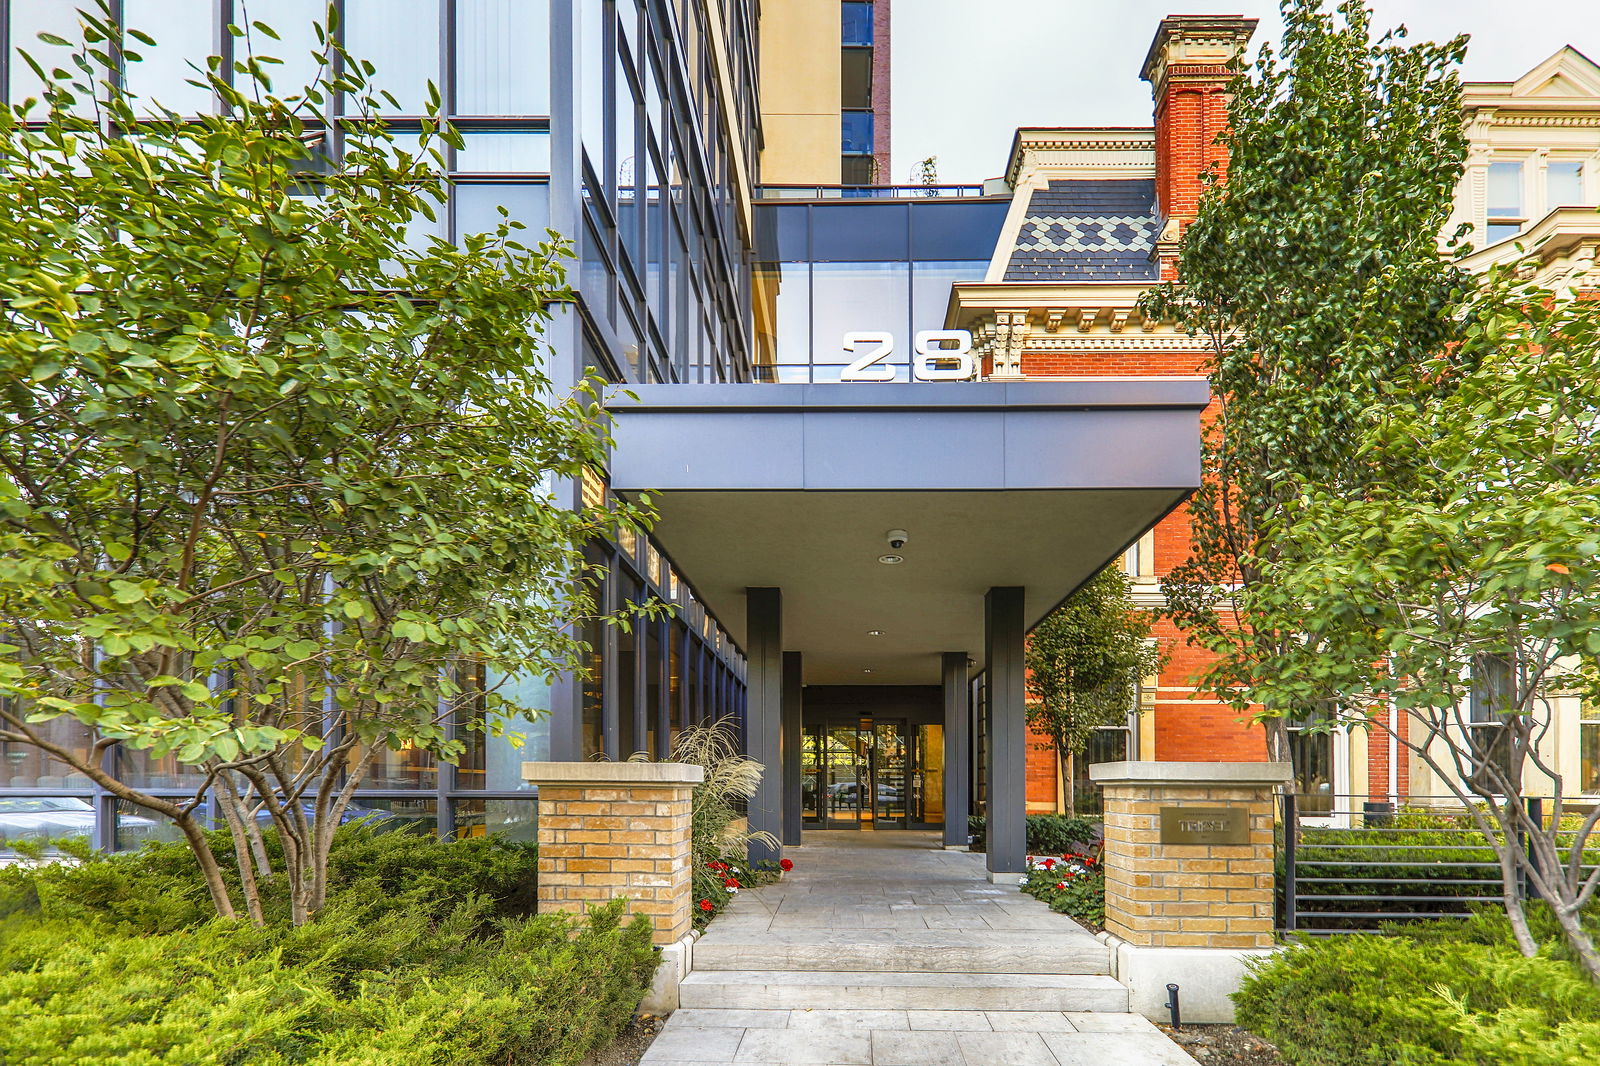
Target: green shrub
(1430, 1001)
(1047, 834)
(425, 955)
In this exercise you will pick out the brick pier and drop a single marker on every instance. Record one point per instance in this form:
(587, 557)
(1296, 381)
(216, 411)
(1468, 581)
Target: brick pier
(617, 829)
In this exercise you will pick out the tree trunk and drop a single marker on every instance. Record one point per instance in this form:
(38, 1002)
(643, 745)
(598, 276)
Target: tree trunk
(1277, 730)
(241, 852)
(196, 836)
(1068, 785)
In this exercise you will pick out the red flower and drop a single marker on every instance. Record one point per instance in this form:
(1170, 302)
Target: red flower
(1088, 860)
(1061, 886)
(705, 905)
(731, 882)
(785, 865)
(1048, 864)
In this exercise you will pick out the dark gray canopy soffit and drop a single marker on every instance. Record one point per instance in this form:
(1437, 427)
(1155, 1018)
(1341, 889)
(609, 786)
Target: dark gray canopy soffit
(1037, 484)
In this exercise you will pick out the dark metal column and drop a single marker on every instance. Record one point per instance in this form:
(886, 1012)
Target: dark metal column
(764, 725)
(957, 748)
(793, 701)
(1007, 735)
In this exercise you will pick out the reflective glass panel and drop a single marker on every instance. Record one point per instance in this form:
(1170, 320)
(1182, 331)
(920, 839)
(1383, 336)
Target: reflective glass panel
(854, 297)
(855, 132)
(29, 18)
(502, 57)
(143, 770)
(1564, 184)
(295, 22)
(855, 78)
(950, 230)
(857, 23)
(930, 290)
(861, 231)
(25, 766)
(504, 153)
(413, 813)
(1505, 190)
(591, 75)
(401, 39)
(477, 209)
(494, 755)
(512, 819)
(407, 767)
(38, 818)
(138, 826)
(182, 30)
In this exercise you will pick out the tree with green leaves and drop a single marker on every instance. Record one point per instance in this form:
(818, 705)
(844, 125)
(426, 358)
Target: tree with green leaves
(1464, 586)
(1315, 276)
(275, 483)
(1085, 663)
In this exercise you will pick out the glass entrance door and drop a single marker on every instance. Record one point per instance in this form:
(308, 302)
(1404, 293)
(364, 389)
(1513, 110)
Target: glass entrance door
(847, 777)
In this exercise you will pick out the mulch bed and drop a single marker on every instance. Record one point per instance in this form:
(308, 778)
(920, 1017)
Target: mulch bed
(1225, 1044)
(630, 1044)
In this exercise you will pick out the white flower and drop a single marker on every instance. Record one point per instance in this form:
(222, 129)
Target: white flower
(1022, 882)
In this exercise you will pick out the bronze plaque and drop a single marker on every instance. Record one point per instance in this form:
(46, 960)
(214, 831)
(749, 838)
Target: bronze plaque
(1205, 825)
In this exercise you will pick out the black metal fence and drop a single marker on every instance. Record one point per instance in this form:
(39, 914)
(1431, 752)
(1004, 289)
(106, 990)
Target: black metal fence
(1349, 865)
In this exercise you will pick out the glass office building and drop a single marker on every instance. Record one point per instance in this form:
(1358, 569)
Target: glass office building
(627, 126)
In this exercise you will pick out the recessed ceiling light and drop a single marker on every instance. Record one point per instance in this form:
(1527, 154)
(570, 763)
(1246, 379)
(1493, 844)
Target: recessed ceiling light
(874, 632)
(891, 559)
(868, 670)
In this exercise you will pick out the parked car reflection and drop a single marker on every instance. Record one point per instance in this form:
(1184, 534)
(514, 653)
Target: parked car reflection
(54, 817)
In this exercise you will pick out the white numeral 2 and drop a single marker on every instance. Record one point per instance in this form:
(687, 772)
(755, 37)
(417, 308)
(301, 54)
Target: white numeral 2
(868, 365)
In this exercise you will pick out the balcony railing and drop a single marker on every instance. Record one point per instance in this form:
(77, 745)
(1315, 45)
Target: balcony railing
(867, 192)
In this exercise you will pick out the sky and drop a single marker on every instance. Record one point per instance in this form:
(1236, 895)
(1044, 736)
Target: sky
(966, 74)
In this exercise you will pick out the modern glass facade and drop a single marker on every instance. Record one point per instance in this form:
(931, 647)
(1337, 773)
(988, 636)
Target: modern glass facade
(833, 267)
(629, 128)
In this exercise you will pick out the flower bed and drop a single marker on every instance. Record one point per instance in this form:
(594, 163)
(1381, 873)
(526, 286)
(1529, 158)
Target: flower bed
(718, 881)
(1073, 884)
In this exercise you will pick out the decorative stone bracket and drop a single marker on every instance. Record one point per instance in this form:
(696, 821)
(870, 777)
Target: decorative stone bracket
(617, 829)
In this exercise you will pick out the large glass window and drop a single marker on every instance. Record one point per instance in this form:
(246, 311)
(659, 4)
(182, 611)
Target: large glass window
(1491, 704)
(1589, 748)
(522, 152)
(40, 818)
(503, 57)
(29, 18)
(401, 39)
(855, 132)
(512, 819)
(1504, 201)
(182, 31)
(857, 24)
(295, 22)
(1563, 185)
(851, 297)
(1311, 754)
(477, 209)
(25, 766)
(496, 751)
(855, 79)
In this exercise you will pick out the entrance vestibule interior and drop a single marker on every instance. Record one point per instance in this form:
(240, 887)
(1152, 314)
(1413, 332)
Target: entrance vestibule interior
(872, 758)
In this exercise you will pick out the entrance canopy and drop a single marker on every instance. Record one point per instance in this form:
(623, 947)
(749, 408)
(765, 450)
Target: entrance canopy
(1032, 484)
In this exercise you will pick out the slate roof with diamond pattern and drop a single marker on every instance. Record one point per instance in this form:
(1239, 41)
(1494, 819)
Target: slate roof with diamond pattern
(1087, 230)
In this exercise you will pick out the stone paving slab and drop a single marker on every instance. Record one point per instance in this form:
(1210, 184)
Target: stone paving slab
(913, 922)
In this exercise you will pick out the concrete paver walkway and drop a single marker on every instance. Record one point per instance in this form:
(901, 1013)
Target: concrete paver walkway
(882, 949)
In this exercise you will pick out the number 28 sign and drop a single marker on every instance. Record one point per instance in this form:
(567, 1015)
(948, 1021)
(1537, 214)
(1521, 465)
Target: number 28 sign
(934, 361)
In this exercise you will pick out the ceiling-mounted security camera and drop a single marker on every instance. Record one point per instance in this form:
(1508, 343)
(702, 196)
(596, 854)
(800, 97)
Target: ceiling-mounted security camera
(897, 538)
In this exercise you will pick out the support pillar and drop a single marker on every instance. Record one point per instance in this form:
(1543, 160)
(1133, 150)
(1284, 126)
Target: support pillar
(1003, 635)
(764, 721)
(957, 748)
(793, 703)
(617, 829)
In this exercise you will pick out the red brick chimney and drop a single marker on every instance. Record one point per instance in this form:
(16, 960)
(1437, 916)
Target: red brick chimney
(1187, 71)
